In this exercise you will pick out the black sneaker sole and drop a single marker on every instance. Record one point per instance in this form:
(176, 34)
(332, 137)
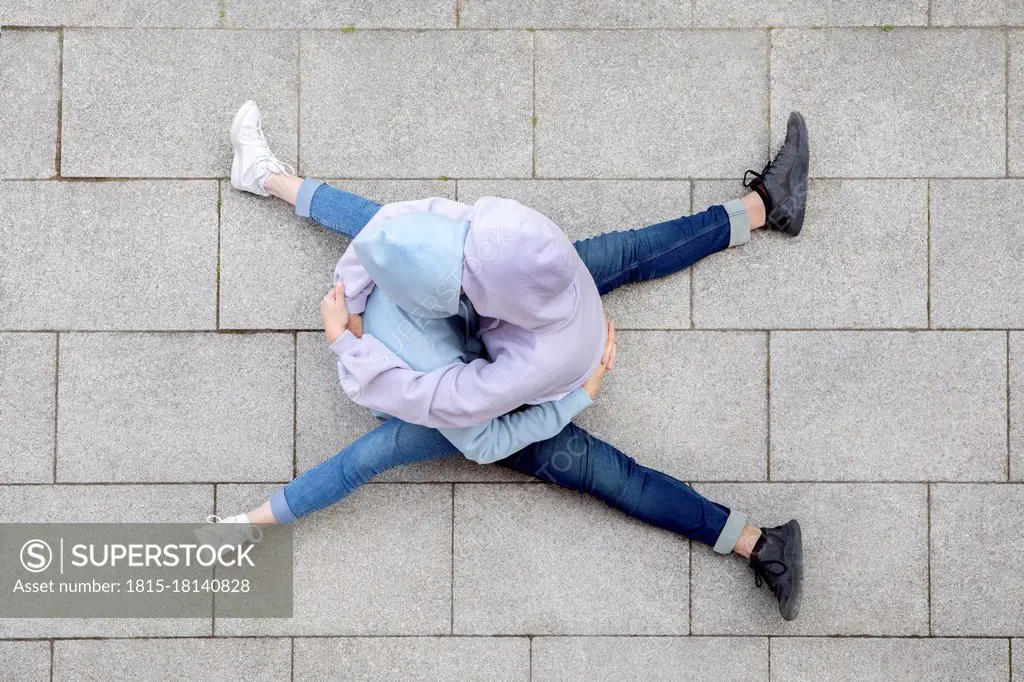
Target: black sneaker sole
(792, 225)
(794, 558)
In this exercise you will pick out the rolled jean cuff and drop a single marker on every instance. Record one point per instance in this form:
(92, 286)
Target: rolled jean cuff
(730, 534)
(739, 222)
(304, 198)
(279, 506)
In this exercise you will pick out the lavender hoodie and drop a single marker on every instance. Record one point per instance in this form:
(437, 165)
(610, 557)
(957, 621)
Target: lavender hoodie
(542, 322)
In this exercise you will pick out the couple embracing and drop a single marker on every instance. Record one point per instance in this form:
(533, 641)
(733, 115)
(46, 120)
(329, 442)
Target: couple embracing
(478, 331)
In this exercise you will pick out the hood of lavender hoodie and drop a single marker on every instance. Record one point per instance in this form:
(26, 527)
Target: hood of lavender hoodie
(540, 311)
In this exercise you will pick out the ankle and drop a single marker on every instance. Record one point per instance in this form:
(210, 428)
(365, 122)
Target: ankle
(271, 184)
(756, 212)
(282, 186)
(748, 541)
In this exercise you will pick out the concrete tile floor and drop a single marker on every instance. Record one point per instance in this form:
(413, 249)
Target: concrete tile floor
(863, 376)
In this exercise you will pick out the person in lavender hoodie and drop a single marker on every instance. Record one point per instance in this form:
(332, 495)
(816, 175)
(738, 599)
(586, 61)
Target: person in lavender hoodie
(479, 329)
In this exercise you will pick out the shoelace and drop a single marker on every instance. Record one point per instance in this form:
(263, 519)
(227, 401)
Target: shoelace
(757, 176)
(266, 161)
(761, 576)
(254, 533)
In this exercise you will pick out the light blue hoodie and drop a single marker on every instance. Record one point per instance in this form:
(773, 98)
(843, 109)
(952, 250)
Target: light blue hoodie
(417, 258)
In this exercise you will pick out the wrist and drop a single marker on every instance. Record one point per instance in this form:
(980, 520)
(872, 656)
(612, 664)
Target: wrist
(333, 331)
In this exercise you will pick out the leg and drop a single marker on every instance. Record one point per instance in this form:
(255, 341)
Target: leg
(391, 444)
(335, 209)
(255, 169)
(778, 201)
(617, 258)
(574, 459)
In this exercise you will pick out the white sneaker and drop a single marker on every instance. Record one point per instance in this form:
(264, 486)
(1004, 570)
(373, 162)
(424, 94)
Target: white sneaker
(232, 531)
(253, 161)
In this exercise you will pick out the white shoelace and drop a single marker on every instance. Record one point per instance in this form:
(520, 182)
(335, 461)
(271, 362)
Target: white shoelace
(266, 162)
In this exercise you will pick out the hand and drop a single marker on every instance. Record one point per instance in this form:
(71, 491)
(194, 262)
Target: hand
(593, 382)
(355, 324)
(334, 312)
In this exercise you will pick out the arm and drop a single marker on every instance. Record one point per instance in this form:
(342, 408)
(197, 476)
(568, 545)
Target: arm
(500, 437)
(374, 377)
(455, 396)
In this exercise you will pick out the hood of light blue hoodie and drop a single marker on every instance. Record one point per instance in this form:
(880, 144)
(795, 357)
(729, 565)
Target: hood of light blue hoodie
(416, 259)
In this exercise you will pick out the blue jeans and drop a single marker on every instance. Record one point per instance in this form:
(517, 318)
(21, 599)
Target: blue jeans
(573, 459)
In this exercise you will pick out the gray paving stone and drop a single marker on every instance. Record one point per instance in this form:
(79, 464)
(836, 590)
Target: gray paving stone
(159, 103)
(442, 103)
(430, 659)
(536, 559)
(888, 406)
(275, 266)
(1016, 368)
(104, 504)
(1015, 99)
(1017, 653)
(596, 116)
(378, 563)
(865, 562)
(947, 120)
(29, 64)
(30, 659)
(590, 14)
(585, 208)
(262, 660)
(671, 659)
(175, 407)
(183, 13)
(347, 14)
(327, 421)
(28, 365)
(112, 255)
(977, 13)
(976, 254)
(691, 404)
(813, 659)
(777, 13)
(844, 270)
(976, 531)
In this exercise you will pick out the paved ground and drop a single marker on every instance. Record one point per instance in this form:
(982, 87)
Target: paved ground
(160, 357)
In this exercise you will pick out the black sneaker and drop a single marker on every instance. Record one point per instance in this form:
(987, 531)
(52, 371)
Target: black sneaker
(782, 185)
(777, 560)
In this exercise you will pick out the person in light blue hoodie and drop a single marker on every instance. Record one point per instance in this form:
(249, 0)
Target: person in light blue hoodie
(412, 259)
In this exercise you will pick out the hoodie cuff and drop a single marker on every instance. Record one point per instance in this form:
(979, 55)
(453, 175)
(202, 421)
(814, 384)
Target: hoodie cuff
(739, 222)
(577, 401)
(343, 343)
(304, 199)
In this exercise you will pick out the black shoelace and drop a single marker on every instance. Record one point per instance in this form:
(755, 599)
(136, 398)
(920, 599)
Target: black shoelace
(757, 176)
(762, 575)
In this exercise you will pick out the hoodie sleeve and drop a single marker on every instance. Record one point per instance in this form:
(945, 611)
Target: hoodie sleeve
(505, 435)
(350, 272)
(455, 396)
